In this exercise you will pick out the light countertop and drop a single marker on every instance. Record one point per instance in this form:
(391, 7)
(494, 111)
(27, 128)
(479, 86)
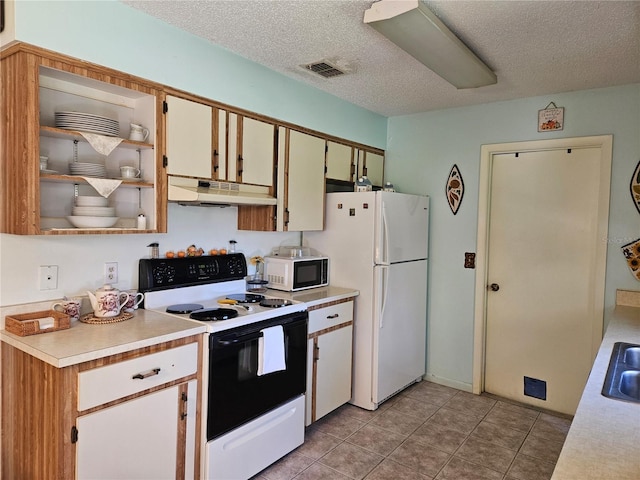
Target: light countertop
(316, 296)
(604, 438)
(83, 342)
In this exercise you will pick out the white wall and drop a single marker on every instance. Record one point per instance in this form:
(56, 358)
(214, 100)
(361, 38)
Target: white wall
(421, 150)
(110, 33)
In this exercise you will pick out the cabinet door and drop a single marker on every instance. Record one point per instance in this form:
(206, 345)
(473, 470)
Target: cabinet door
(308, 414)
(371, 165)
(137, 439)
(305, 194)
(256, 166)
(220, 164)
(333, 370)
(339, 161)
(189, 138)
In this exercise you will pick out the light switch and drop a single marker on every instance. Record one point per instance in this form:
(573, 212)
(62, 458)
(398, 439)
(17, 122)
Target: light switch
(469, 260)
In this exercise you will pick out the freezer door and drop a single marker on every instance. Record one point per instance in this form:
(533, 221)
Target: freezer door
(402, 227)
(400, 326)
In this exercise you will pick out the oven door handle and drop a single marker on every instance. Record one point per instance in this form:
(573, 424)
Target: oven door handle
(241, 339)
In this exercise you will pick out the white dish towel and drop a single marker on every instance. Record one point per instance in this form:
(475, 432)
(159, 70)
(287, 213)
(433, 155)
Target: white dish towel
(271, 350)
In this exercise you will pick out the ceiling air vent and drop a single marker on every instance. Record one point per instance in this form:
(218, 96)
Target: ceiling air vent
(324, 69)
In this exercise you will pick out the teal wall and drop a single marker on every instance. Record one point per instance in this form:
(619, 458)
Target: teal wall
(113, 34)
(422, 148)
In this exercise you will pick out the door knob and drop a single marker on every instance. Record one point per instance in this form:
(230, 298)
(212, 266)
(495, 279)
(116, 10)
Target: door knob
(494, 287)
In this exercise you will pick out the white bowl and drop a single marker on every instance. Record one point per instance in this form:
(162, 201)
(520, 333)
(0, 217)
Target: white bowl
(92, 222)
(91, 201)
(94, 211)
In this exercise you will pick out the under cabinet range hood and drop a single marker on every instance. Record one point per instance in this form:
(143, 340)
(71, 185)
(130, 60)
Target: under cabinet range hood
(193, 191)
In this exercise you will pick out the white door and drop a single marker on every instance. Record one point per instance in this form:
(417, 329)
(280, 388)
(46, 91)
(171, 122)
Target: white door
(333, 381)
(402, 229)
(544, 275)
(399, 326)
(257, 152)
(305, 194)
(137, 439)
(189, 134)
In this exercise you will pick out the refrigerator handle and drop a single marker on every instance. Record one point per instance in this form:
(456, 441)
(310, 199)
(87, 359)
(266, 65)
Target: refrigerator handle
(384, 247)
(383, 288)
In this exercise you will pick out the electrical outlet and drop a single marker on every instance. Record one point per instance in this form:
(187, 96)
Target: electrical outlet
(111, 272)
(48, 277)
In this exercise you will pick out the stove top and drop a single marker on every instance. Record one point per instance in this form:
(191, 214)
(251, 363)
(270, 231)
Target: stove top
(173, 286)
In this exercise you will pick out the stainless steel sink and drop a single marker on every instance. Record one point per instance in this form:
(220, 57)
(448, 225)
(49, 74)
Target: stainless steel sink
(632, 357)
(623, 375)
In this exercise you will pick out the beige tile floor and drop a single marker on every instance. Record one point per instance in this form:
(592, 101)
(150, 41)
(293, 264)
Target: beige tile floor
(426, 432)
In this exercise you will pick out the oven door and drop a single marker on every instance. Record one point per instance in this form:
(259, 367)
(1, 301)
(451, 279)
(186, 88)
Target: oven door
(237, 394)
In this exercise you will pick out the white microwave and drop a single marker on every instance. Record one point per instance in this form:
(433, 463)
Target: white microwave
(298, 273)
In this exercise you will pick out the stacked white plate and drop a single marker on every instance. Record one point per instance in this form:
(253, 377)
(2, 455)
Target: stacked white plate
(88, 122)
(88, 169)
(91, 201)
(92, 212)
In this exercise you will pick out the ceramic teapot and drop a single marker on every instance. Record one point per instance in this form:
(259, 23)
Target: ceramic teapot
(107, 301)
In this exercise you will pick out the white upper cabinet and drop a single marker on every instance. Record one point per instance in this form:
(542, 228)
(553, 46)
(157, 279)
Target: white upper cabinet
(189, 138)
(256, 160)
(340, 161)
(300, 181)
(244, 151)
(371, 165)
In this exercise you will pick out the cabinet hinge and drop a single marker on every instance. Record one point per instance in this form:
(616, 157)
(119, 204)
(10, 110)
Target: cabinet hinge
(325, 169)
(165, 106)
(74, 434)
(165, 161)
(184, 396)
(326, 148)
(316, 352)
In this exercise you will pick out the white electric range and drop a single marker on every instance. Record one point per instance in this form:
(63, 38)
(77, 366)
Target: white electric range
(254, 363)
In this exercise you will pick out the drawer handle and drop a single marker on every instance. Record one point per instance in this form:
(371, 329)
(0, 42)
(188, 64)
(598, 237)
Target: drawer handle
(150, 373)
(335, 315)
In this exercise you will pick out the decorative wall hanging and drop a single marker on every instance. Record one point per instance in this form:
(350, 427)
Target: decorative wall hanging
(550, 118)
(634, 187)
(631, 252)
(454, 189)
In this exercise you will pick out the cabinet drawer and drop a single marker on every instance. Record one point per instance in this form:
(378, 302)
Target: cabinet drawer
(329, 316)
(108, 383)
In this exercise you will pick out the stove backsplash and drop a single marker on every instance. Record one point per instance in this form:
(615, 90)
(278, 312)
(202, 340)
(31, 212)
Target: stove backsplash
(81, 258)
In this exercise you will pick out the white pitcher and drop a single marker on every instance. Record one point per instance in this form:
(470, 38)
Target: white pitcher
(138, 133)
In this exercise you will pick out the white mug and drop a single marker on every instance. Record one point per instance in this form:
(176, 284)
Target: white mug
(134, 300)
(138, 133)
(129, 172)
(71, 307)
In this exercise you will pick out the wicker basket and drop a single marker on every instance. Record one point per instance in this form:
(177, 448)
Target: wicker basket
(27, 323)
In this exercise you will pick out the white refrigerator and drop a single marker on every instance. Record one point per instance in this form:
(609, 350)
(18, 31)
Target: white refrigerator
(377, 243)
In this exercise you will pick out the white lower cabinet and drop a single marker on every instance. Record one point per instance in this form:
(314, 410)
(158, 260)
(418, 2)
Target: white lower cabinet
(329, 359)
(137, 439)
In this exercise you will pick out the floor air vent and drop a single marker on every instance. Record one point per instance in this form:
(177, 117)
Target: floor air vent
(535, 388)
(324, 69)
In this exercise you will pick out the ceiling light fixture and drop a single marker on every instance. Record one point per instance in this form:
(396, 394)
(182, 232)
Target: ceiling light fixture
(414, 28)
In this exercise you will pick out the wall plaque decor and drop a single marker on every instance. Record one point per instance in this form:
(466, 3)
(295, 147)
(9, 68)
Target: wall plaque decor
(454, 189)
(550, 118)
(634, 187)
(631, 252)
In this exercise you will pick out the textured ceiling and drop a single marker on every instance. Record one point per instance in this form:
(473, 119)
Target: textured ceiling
(535, 47)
